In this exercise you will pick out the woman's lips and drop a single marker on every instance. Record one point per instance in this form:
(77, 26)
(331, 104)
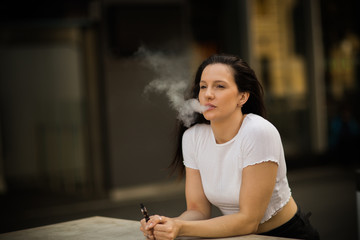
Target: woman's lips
(209, 106)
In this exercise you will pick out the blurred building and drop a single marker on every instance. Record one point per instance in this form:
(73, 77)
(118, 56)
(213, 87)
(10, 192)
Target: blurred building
(73, 115)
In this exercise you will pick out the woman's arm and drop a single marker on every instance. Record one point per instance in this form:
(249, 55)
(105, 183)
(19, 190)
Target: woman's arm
(258, 182)
(198, 206)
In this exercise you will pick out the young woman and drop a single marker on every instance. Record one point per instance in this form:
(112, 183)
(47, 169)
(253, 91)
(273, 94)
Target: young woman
(233, 158)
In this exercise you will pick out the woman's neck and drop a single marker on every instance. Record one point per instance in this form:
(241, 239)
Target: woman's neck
(227, 129)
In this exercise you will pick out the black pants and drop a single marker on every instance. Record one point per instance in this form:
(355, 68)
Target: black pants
(298, 227)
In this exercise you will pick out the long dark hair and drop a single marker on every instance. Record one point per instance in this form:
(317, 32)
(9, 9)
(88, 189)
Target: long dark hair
(246, 81)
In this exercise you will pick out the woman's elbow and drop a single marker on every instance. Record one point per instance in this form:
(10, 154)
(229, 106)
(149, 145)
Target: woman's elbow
(250, 226)
(196, 214)
(253, 227)
(205, 212)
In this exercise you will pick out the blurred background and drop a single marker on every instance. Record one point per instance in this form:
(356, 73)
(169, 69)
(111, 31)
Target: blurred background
(78, 137)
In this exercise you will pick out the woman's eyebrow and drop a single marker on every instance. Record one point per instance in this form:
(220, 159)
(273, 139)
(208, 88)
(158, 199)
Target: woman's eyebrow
(216, 81)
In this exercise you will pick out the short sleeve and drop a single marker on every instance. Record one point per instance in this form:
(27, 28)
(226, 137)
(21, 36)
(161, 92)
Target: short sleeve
(188, 148)
(262, 144)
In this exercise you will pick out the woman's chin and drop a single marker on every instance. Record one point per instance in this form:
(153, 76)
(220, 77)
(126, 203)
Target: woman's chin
(208, 116)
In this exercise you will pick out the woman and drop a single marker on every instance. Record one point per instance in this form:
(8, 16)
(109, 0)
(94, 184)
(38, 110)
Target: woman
(233, 158)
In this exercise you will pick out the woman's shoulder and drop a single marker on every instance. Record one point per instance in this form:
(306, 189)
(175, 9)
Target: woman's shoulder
(258, 124)
(199, 128)
(256, 120)
(197, 131)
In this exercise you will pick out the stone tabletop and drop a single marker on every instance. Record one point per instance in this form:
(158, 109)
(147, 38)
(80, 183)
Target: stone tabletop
(103, 228)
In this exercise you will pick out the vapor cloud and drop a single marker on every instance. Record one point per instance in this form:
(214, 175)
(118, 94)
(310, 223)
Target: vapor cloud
(172, 80)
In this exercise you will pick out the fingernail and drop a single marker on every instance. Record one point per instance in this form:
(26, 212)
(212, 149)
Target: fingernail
(148, 226)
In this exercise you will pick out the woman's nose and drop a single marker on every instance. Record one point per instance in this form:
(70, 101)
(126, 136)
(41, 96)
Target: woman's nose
(209, 93)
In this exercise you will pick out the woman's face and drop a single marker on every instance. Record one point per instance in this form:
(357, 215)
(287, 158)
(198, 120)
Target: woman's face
(219, 92)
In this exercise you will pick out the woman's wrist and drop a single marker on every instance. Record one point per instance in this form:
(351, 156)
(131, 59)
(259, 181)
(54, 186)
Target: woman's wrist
(180, 226)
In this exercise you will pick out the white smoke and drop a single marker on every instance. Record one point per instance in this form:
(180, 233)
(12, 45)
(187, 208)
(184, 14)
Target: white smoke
(172, 79)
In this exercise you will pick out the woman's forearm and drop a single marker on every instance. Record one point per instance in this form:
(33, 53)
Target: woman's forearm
(192, 215)
(224, 226)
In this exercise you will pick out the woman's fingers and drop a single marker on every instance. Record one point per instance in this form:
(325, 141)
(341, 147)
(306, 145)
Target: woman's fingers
(148, 233)
(159, 228)
(154, 220)
(167, 230)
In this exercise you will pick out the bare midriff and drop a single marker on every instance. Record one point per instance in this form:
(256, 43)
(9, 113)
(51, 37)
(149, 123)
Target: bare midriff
(283, 216)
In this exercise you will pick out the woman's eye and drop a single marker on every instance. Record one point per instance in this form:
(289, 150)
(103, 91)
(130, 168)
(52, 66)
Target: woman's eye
(202, 87)
(220, 86)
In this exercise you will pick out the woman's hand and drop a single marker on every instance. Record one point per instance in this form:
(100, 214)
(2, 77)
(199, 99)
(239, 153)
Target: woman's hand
(147, 233)
(148, 227)
(166, 229)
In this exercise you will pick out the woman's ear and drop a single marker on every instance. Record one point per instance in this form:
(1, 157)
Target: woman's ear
(244, 96)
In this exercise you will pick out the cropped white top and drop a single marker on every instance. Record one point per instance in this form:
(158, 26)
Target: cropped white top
(221, 165)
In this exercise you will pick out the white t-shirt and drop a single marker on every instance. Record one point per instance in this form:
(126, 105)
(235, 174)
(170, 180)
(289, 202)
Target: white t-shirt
(221, 165)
